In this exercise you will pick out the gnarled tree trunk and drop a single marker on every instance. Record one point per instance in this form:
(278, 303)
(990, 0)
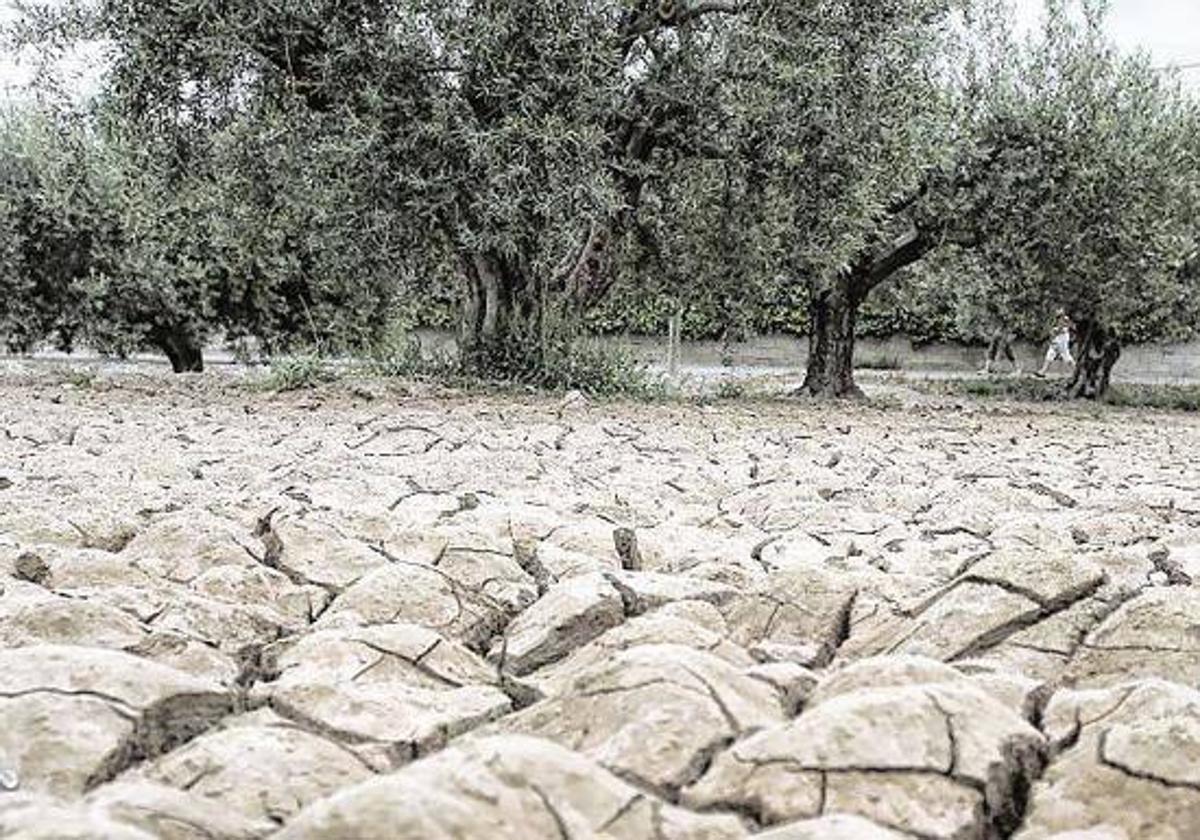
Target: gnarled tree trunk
(182, 349)
(502, 313)
(1097, 351)
(510, 314)
(833, 315)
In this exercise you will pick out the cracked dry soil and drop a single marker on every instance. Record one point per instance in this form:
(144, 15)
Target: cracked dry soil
(227, 615)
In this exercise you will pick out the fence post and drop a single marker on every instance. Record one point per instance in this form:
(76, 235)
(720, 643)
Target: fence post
(674, 331)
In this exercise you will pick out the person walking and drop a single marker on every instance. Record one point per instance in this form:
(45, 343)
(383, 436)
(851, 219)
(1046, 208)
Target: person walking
(1001, 344)
(1060, 344)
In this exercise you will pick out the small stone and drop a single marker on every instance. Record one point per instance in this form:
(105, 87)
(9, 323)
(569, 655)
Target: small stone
(32, 568)
(10, 779)
(805, 655)
(626, 543)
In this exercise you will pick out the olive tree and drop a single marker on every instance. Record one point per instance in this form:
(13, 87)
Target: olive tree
(1090, 207)
(517, 138)
(240, 210)
(557, 121)
(57, 230)
(848, 103)
(1068, 169)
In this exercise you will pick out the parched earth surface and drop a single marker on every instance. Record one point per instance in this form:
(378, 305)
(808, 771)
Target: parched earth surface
(369, 614)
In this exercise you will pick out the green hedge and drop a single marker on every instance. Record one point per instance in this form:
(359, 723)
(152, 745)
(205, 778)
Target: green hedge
(911, 309)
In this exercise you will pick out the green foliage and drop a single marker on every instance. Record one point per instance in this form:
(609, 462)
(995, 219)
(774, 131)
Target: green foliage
(356, 149)
(567, 363)
(1012, 388)
(828, 114)
(597, 369)
(399, 355)
(855, 111)
(57, 229)
(83, 379)
(920, 305)
(267, 232)
(1023, 389)
(881, 362)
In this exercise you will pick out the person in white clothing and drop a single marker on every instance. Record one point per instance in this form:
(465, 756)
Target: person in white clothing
(1060, 344)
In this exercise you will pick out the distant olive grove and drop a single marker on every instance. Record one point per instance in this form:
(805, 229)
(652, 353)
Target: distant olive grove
(310, 174)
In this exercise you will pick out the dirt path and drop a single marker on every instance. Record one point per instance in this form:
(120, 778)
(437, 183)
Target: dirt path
(364, 614)
(774, 362)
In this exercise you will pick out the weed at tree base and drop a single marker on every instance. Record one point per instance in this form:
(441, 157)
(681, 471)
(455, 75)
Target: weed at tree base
(1166, 397)
(293, 373)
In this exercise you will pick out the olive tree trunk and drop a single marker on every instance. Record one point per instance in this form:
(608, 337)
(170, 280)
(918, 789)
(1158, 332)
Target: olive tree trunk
(833, 314)
(501, 313)
(510, 314)
(1097, 352)
(182, 349)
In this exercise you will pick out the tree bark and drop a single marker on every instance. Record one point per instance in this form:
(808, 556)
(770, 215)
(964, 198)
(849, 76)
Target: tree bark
(502, 314)
(182, 349)
(1096, 353)
(833, 315)
(590, 276)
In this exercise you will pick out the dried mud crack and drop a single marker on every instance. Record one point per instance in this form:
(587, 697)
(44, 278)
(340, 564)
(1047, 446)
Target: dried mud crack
(545, 618)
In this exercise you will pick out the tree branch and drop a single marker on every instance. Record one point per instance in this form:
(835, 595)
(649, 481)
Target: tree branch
(674, 13)
(905, 251)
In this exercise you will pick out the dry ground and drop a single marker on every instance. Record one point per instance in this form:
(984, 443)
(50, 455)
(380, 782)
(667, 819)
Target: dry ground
(364, 614)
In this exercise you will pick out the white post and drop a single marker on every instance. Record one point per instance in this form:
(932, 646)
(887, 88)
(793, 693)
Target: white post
(674, 332)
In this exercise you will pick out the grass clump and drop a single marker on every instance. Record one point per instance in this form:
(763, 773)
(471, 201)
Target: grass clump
(731, 389)
(556, 364)
(295, 373)
(1009, 388)
(879, 363)
(401, 356)
(77, 378)
(595, 369)
(1167, 397)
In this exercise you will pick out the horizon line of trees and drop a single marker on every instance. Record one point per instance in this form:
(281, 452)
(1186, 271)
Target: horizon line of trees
(306, 173)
